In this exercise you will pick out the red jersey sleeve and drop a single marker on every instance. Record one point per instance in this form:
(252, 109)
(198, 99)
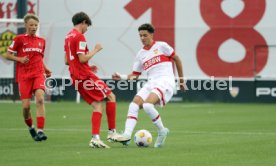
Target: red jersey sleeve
(15, 45)
(81, 45)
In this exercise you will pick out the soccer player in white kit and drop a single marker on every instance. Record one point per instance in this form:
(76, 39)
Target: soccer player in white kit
(155, 59)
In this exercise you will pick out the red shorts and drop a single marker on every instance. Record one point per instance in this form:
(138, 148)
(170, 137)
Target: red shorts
(92, 89)
(27, 87)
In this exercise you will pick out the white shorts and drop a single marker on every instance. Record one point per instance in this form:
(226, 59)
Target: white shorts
(162, 88)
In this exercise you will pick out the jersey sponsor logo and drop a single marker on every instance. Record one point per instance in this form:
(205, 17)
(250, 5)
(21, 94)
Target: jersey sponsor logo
(155, 60)
(82, 45)
(32, 50)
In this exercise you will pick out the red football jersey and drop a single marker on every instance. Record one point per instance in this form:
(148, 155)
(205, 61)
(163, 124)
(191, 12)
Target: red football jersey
(75, 44)
(33, 47)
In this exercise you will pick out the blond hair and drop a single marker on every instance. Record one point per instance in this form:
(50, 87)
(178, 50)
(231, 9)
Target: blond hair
(29, 16)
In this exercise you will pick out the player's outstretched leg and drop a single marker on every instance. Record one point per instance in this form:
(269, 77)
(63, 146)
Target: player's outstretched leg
(156, 119)
(96, 117)
(111, 116)
(129, 125)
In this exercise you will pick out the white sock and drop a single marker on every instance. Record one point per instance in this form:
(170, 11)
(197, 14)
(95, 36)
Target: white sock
(96, 136)
(132, 117)
(39, 130)
(111, 131)
(154, 115)
(31, 127)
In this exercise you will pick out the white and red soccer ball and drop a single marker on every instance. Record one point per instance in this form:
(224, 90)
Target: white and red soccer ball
(143, 138)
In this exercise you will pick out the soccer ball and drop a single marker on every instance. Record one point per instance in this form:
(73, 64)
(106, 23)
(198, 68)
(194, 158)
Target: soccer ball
(143, 138)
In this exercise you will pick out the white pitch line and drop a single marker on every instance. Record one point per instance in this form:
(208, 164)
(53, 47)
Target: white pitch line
(172, 131)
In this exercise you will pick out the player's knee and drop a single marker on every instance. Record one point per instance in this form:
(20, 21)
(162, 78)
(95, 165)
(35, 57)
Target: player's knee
(97, 106)
(40, 101)
(111, 97)
(139, 101)
(26, 107)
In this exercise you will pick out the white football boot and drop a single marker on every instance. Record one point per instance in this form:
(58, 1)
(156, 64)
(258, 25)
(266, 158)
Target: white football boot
(97, 143)
(162, 135)
(125, 140)
(111, 134)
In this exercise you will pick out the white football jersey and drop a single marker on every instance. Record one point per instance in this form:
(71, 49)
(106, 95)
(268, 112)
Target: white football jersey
(155, 61)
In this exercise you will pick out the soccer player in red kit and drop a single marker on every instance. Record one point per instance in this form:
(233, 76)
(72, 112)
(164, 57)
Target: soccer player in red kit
(91, 88)
(28, 52)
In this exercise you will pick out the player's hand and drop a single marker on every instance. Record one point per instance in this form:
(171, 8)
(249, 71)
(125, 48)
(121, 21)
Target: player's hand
(24, 59)
(48, 72)
(182, 85)
(182, 88)
(94, 68)
(116, 76)
(98, 47)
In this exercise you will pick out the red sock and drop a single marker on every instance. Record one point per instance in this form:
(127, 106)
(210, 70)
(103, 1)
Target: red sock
(111, 114)
(40, 122)
(29, 122)
(96, 122)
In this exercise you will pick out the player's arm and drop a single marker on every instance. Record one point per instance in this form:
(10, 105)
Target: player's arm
(11, 56)
(179, 68)
(131, 76)
(65, 60)
(137, 69)
(85, 58)
(48, 72)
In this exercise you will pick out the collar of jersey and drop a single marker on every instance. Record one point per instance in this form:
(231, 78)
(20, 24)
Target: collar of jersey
(148, 48)
(30, 35)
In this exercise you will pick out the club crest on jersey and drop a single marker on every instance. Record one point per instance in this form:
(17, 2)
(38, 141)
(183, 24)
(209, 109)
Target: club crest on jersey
(39, 45)
(155, 51)
(82, 45)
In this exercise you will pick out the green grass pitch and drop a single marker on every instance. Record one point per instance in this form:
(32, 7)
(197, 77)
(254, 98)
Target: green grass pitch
(200, 135)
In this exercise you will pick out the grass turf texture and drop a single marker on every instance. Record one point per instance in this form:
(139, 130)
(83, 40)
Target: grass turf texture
(201, 134)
